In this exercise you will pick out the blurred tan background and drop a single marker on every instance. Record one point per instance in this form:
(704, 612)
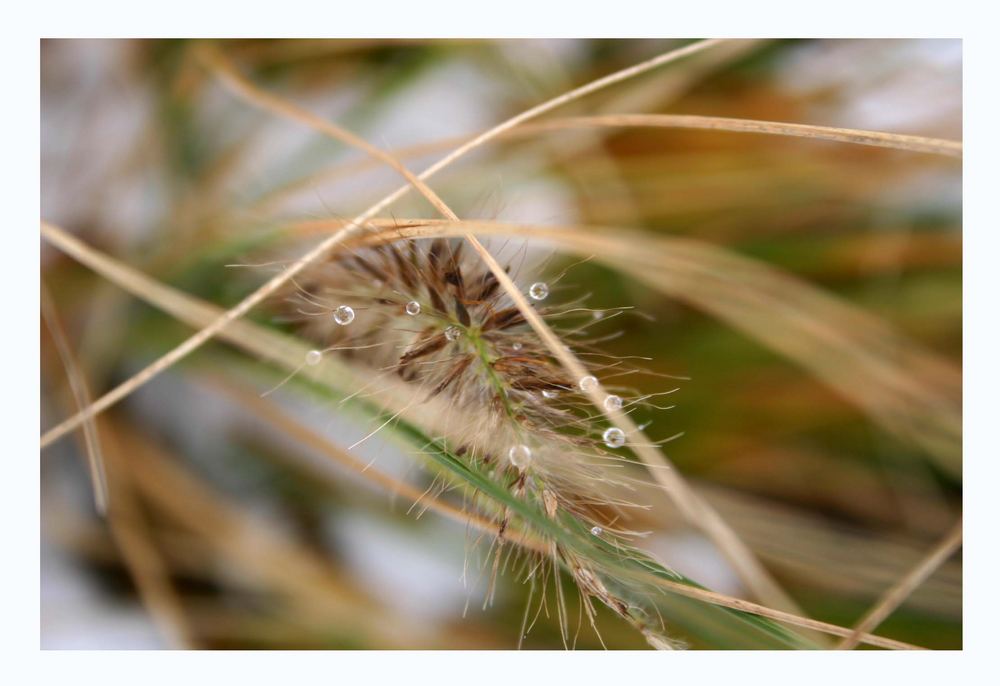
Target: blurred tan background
(247, 536)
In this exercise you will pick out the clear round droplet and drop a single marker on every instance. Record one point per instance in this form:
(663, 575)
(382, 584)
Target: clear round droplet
(517, 346)
(588, 383)
(452, 333)
(597, 531)
(313, 357)
(613, 402)
(343, 315)
(413, 308)
(550, 393)
(519, 455)
(539, 290)
(614, 437)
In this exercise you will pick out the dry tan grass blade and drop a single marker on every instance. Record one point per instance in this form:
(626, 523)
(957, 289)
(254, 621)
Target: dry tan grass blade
(936, 146)
(131, 532)
(895, 596)
(81, 396)
(124, 518)
(770, 613)
(288, 354)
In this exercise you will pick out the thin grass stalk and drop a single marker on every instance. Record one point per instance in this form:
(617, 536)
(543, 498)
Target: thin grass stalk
(81, 396)
(900, 591)
(131, 531)
(922, 144)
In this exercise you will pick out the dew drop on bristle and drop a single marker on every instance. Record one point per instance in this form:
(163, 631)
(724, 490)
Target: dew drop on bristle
(413, 308)
(550, 394)
(343, 315)
(452, 333)
(539, 290)
(613, 402)
(517, 346)
(519, 455)
(313, 357)
(614, 437)
(597, 531)
(588, 383)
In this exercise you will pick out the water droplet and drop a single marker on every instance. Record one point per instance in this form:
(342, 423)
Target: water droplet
(539, 290)
(452, 332)
(598, 314)
(519, 455)
(614, 437)
(517, 346)
(588, 383)
(550, 393)
(313, 357)
(613, 402)
(343, 315)
(413, 308)
(597, 531)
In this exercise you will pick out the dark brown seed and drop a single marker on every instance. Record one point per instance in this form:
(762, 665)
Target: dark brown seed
(438, 246)
(436, 300)
(456, 371)
(462, 313)
(453, 277)
(503, 319)
(403, 268)
(371, 269)
(488, 286)
(422, 349)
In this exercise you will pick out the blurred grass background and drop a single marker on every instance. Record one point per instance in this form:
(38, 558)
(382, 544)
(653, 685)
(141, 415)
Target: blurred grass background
(263, 544)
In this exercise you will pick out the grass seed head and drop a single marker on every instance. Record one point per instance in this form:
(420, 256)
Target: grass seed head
(437, 320)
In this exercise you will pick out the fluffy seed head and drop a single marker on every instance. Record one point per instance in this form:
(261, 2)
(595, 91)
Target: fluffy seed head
(440, 324)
